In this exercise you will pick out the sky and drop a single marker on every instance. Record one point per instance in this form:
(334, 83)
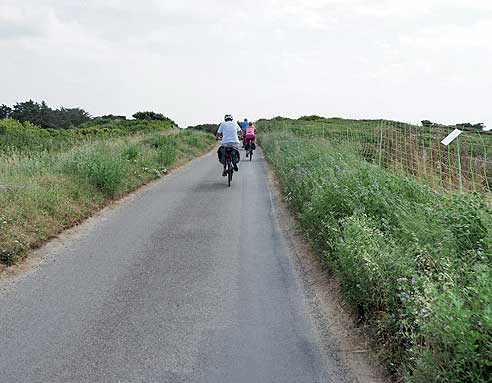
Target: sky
(196, 60)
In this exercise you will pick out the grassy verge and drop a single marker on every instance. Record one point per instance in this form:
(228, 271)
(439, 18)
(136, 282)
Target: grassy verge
(412, 150)
(50, 190)
(416, 265)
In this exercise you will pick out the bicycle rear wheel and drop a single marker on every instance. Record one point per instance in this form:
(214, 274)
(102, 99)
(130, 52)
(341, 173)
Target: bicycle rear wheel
(229, 174)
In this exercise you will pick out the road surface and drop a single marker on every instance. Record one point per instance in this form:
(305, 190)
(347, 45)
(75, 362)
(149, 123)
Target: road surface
(186, 281)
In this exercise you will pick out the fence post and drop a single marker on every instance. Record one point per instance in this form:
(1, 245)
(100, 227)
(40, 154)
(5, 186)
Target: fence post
(440, 162)
(459, 164)
(484, 163)
(380, 142)
(432, 169)
(471, 166)
(405, 145)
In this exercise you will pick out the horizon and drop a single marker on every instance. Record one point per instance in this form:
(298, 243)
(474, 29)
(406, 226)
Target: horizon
(130, 117)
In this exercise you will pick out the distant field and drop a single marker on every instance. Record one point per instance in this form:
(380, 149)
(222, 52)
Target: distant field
(53, 179)
(380, 202)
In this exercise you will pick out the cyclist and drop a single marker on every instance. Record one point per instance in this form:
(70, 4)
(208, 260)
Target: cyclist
(244, 125)
(228, 133)
(250, 137)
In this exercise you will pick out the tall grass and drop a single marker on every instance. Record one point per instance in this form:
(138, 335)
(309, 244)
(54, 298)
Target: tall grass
(24, 136)
(465, 165)
(46, 191)
(416, 265)
(166, 149)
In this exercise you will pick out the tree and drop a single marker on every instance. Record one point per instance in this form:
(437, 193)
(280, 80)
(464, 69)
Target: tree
(26, 111)
(44, 116)
(5, 111)
(71, 117)
(153, 116)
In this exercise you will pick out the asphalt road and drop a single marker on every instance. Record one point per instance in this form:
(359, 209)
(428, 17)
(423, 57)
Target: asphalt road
(188, 281)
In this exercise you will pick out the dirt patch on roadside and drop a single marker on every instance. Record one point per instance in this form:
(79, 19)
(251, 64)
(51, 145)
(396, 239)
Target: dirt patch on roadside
(334, 320)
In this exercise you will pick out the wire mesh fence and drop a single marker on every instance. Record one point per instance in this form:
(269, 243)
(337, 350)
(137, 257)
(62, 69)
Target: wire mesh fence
(464, 165)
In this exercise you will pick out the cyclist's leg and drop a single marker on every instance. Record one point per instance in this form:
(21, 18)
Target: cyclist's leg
(221, 154)
(235, 155)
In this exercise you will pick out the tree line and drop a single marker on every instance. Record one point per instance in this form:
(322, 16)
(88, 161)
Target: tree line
(41, 114)
(65, 118)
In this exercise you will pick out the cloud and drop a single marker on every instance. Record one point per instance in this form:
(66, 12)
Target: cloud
(196, 59)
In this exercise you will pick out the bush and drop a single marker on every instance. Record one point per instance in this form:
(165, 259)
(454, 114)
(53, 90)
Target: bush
(311, 118)
(369, 266)
(131, 153)
(26, 137)
(166, 155)
(100, 168)
(209, 128)
(154, 116)
(458, 333)
(415, 264)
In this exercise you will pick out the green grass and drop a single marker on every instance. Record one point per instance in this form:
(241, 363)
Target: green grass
(416, 265)
(24, 136)
(53, 188)
(465, 165)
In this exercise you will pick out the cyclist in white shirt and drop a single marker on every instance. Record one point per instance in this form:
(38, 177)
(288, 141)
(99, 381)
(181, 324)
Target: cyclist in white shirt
(228, 133)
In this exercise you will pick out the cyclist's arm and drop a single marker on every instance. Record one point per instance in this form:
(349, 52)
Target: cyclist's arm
(218, 135)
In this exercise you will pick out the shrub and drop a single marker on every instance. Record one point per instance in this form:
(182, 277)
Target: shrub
(209, 128)
(100, 168)
(311, 118)
(415, 264)
(24, 136)
(458, 333)
(131, 153)
(154, 116)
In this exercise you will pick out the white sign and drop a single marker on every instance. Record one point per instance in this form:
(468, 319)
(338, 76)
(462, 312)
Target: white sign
(452, 136)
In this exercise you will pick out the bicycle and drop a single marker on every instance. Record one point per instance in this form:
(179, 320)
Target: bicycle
(250, 147)
(228, 166)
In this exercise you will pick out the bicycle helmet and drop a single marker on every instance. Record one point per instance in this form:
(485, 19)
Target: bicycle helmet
(228, 117)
